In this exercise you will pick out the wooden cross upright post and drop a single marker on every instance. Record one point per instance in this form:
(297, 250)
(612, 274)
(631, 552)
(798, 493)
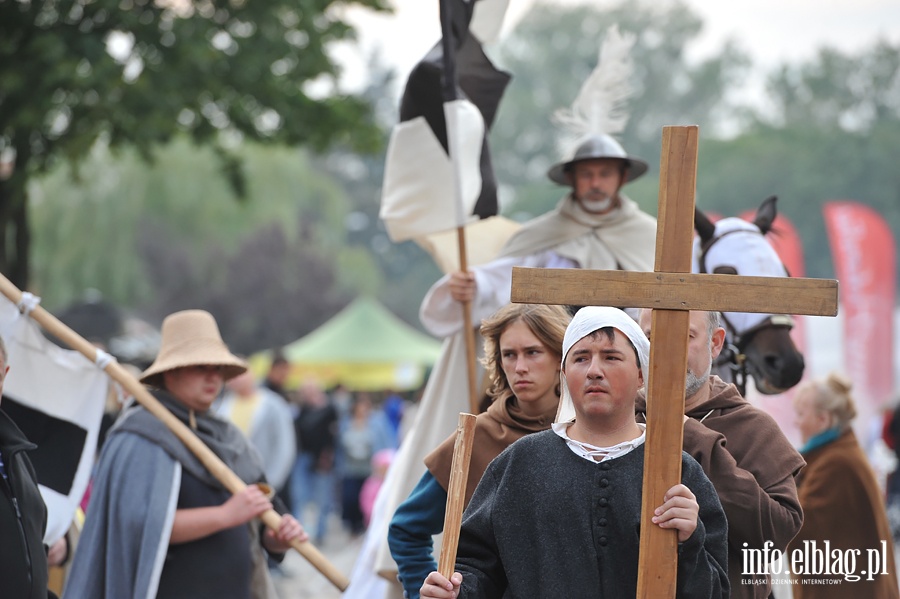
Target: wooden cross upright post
(672, 292)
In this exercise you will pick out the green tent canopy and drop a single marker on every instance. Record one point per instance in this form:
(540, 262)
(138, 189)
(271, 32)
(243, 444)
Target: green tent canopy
(365, 347)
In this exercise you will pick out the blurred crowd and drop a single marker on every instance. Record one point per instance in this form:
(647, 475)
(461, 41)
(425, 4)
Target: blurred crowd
(328, 449)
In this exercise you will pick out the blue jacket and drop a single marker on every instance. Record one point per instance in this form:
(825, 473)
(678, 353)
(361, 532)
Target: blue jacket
(410, 533)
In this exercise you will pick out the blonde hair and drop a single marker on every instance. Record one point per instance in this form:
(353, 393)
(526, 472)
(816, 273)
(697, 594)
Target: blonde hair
(548, 323)
(832, 396)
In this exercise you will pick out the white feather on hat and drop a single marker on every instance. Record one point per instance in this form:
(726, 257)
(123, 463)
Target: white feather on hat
(600, 106)
(599, 112)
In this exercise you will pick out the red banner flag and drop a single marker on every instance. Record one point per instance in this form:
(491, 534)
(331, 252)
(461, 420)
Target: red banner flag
(863, 250)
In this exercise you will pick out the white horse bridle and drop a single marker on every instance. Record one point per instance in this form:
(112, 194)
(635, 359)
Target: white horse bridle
(764, 261)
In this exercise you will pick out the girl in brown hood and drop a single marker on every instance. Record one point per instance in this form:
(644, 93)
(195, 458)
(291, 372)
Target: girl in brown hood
(522, 344)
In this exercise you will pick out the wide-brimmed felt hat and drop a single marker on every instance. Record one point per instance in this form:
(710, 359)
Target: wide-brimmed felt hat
(191, 338)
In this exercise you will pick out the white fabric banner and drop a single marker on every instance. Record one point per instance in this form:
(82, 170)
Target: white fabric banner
(419, 194)
(63, 390)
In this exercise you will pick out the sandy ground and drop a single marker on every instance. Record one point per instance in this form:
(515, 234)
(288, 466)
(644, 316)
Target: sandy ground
(297, 579)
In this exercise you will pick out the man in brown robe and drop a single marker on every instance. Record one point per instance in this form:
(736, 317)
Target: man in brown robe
(744, 453)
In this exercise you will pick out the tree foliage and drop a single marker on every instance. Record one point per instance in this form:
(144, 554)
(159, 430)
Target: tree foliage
(832, 135)
(837, 90)
(265, 293)
(138, 72)
(171, 236)
(89, 229)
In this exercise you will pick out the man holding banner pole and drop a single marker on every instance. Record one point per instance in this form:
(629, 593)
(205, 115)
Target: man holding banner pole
(594, 225)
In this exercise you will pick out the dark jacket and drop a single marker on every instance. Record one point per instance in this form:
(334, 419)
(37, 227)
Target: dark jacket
(545, 522)
(23, 558)
(316, 430)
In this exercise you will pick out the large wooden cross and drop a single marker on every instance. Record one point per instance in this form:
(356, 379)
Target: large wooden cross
(672, 292)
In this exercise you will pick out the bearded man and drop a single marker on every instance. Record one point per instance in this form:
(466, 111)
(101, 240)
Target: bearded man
(743, 452)
(593, 226)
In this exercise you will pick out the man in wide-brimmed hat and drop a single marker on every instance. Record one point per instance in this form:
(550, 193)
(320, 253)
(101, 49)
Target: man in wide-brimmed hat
(593, 226)
(159, 524)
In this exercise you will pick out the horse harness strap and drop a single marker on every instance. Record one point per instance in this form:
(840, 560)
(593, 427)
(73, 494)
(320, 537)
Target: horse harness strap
(733, 356)
(741, 338)
(736, 361)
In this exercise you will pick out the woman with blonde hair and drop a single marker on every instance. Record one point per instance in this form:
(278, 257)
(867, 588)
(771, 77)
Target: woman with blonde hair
(522, 354)
(843, 504)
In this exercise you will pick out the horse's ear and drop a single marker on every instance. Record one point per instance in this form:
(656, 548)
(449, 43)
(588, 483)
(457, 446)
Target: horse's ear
(766, 214)
(705, 227)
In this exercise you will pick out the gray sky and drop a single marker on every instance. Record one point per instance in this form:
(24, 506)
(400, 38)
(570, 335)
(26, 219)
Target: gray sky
(771, 31)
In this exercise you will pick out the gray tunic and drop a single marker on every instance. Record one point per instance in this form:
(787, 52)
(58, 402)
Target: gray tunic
(124, 547)
(546, 523)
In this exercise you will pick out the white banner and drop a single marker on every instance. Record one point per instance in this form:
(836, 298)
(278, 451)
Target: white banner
(56, 396)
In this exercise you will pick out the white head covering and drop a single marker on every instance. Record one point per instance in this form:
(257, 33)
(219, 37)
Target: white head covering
(586, 321)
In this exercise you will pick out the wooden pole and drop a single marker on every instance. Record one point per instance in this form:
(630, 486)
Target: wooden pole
(211, 461)
(448, 93)
(456, 494)
(468, 329)
(658, 553)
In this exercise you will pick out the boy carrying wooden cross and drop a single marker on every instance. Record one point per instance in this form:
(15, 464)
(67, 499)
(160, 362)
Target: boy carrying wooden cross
(558, 513)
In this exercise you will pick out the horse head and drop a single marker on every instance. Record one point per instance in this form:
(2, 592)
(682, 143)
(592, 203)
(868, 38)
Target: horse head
(757, 344)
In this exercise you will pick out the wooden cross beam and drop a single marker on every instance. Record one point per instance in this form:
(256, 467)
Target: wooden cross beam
(672, 292)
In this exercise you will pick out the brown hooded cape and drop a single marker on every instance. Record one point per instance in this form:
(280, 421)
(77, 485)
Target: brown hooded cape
(843, 504)
(495, 430)
(752, 465)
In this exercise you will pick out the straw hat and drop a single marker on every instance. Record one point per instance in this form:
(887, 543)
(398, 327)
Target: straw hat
(191, 338)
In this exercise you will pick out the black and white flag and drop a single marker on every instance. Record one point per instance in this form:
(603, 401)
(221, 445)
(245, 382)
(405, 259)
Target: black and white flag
(438, 172)
(56, 396)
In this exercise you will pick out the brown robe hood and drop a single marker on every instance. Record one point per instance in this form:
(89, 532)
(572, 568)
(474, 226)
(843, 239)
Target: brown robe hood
(752, 465)
(753, 437)
(495, 430)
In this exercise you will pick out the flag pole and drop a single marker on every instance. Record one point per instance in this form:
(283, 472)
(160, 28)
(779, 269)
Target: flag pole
(210, 460)
(449, 94)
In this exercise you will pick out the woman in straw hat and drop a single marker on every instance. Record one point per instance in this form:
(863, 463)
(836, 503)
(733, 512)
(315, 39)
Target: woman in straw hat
(159, 524)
